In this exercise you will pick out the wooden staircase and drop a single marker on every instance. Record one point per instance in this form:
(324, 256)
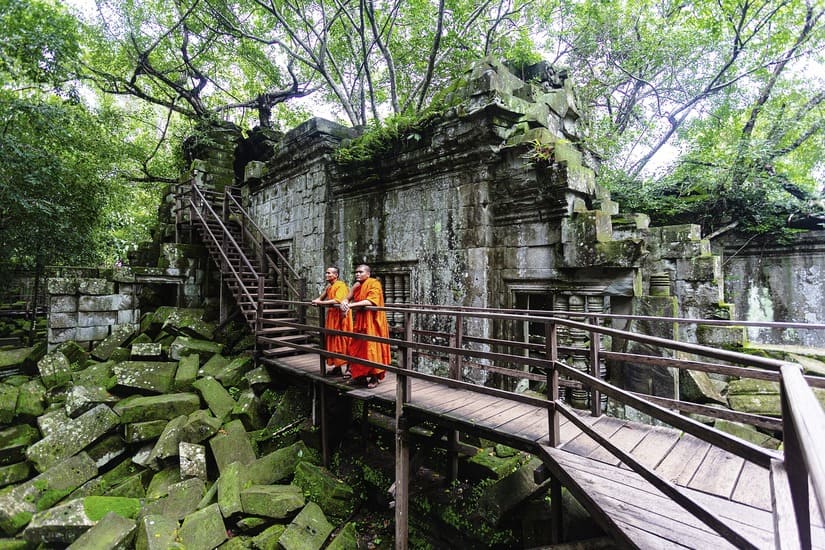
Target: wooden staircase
(269, 293)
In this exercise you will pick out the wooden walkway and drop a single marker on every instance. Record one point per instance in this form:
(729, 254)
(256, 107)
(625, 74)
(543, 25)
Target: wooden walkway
(624, 504)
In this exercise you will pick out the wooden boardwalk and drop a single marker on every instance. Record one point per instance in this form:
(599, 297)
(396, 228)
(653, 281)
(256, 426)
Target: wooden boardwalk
(625, 505)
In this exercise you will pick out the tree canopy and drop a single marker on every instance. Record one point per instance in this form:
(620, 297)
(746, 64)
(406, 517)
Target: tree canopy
(708, 111)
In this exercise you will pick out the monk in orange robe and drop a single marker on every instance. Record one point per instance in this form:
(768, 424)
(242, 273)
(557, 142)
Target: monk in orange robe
(367, 291)
(335, 292)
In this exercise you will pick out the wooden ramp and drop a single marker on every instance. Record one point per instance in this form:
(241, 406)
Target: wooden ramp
(624, 504)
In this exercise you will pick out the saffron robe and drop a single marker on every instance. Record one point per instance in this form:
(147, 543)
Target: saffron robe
(373, 323)
(336, 320)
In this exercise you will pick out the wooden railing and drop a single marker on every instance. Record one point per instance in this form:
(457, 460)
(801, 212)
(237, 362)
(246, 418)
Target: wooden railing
(802, 424)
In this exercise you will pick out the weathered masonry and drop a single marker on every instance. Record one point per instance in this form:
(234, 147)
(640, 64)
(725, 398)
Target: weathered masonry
(491, 203)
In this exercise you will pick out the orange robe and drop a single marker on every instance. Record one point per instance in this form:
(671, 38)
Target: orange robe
(335, 320)
(373, 323)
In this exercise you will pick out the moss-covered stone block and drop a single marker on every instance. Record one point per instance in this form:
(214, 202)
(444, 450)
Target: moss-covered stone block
(14, 473)
(55, 370)
(346, 539)
(167, 444)
(215, 396)
(277, 465)
(232, 374)
(149, 376)
(111, 532)
(272, 501)
(269, 537)
(187, 372)
(156, 407)
(95, 374)
(203, 529)
(335, 497)
(14, 441)
(308, 531)
(232, 445)
(213, 365)
(119, 336)
(486, 464)
(200, 425)
(157, 532)
(8, 402)
(184, 345)
(182, 499)
(71, 438)
(143, 431)
(230, 483)
(31, 400)
(719, 336)
(248, 409)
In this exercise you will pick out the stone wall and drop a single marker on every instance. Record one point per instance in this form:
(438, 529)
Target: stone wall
(773, 282)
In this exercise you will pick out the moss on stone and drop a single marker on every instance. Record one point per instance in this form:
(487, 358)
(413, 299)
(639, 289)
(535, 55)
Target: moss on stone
(96, 507)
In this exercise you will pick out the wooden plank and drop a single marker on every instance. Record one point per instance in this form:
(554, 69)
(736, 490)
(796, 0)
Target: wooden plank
(583, 445)
(466, 411)
(753, 487)
(485, 417)
(503, 417)
(655, 446)
(683, 460)
(718, 472)
(445, 407)
(625, 438)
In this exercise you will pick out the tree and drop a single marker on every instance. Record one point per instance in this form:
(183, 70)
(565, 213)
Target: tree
(719, 81)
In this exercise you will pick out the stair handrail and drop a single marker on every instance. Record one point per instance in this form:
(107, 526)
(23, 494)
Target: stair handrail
(299, 293)
(225, 230)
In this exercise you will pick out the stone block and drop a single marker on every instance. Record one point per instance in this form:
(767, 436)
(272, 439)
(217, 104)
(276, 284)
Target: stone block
(108, 303)
(199, 426)
(80, 399)
(104, 482)
(55, 370)
(272, 501)
(95, 375)
(156, 532)
(61, 285)
(336, 498)
(92, 334)
(60, 525)
(19, 505)
(716, 336)
(150, 376)
(119, 336)
(147, 351)
(700, 268)
(232, 445)
(112, 532)
(213, 365)
(230, 483)
(14, 473)
(308, 531)
(189, 322)
(182, 500)
(232, 374)
(8, 402)
(14, 440)
(62, 320)
(192, 460)
(269, 537)
(168, 442)
(184, 345)
(248, 410)
(187, 372)
(58, 336)
(346, 538)
(69, 439)
(215, 396)
(76, 355)
(162, 481)
(95, 287)
(127, 316)
(156, 407)
(258, 377)
(86, 319)
(137, 432)
(48, 422)
(203, 530)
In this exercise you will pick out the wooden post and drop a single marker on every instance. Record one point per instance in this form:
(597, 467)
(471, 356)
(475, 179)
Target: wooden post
(402, 449)
(556, 509)
(322, 340)
(453, 436)
(552, 353)
(795, 468)
(325, 454)
(595, 394)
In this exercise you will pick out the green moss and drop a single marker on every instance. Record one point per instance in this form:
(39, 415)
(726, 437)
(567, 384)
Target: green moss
(96, 507)
(50, 498)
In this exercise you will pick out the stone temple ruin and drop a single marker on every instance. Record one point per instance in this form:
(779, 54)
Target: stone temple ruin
(490, 202)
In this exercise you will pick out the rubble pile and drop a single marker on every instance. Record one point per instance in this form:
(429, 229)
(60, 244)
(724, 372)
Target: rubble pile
(157, 439)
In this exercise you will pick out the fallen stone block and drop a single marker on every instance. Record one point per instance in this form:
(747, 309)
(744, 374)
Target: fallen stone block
(14, 360)
(247, 409)
(8, 402)
(346, 538)
(77, 356)
(106, 449)
(137, 432)
(55, 370)
(230, 483)
(65, 523)
(258, 377)
(14, 441)
(72, 437)
(95, 375)
(156, 532)
(161, 481)
(336, 498)
(187, 372)
(269, 537)
(183, 345)
(308, 531)
(232, 445)
(216, 397)
(200, 425)
(81, 399)
(31, 401)
(14, 473)
(100, 484)
(119, 336)
(168, 443)
(203, 530)
(112, 532)
(183, 499)
(213, 365)
(232, 374)
(189, 322)
(272, 501)
(156, 407)
(150, 376)
(192, 460)
(277, 465)
(146, 351)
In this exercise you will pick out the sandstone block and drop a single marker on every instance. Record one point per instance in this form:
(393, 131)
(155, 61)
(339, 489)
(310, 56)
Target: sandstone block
(192, 460)
(187, 372)
(112, 532)
(69, 439)
(156, 407)
(156, 532)
(95, 286)
(336, 498)
(215, 396)
(182, 500)
(151, 376)
(230, 484)
(272, 501)
(232, 445)
(277, 465)
(86, 319)
(55, 370)
(183, 345)
(8, 402)
(143, 431)
(203, 530)
(200, 425)
(308, 531)
(168, 442)
(119, 336)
